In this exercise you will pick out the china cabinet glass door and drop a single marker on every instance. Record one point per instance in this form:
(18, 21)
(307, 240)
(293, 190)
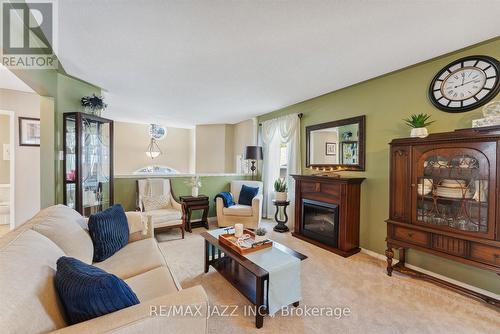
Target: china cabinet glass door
(88, 173)
(452, 190)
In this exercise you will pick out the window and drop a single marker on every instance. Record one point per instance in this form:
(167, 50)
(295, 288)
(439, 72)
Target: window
(155, 170)
(283, 160)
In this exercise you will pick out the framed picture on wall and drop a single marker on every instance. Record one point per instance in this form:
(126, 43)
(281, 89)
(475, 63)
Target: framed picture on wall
(29, 131)
(349, 153)
(330, 148)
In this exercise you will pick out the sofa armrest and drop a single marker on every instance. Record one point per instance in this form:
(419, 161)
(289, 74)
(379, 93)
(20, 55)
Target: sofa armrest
(152, 316)
(140, 225)
(257, 206)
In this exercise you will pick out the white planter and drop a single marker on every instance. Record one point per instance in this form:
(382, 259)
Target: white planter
(419, 132)
(280, 196)
(259, 238)
(194, 191)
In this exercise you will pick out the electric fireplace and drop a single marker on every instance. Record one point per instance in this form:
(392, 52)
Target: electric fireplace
(320, 221)
(327, 212)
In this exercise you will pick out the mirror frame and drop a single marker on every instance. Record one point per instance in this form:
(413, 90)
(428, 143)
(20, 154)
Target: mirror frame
(360, 120)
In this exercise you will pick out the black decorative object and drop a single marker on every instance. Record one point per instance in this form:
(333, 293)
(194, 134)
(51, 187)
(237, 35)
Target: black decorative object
(281, 227)
(465, 84)
(253, 153)
(93, 104)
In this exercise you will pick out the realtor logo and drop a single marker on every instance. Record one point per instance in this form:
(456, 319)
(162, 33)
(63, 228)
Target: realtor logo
(28, 35)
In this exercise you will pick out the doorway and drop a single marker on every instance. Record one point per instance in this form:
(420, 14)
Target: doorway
(7, 171)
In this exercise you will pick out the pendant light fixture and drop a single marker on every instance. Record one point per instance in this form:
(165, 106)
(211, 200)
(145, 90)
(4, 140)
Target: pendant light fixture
(153, 149)
(156, 132)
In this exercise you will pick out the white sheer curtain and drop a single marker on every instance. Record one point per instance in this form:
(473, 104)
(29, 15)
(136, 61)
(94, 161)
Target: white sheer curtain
(283, 130)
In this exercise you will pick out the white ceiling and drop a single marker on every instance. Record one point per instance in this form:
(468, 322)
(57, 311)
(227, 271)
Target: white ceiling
(182, 63)
(9, 81)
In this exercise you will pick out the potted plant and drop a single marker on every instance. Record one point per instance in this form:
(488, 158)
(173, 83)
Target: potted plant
(260, 234)
(195, 184)
(418, 124)
(93, 105)
(280, 190)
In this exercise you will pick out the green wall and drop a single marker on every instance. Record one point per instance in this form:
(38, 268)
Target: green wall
(125, 189)
(386, 101)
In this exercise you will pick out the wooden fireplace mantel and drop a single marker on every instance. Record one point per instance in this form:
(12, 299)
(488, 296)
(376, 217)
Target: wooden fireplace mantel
(342, 191)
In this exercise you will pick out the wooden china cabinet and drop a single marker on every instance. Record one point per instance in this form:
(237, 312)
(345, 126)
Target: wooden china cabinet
(444, 201)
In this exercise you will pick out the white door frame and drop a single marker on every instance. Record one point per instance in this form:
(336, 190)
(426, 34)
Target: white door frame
(12, 166)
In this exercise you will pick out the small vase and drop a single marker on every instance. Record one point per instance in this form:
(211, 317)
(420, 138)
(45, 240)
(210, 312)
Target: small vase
(280, 196)
(194, 191)
(419, 132)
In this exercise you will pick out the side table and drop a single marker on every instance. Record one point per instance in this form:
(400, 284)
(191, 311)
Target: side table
(281, 227)
(189, 204)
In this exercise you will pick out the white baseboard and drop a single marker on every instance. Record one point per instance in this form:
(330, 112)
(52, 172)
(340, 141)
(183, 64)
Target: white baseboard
(433, 274)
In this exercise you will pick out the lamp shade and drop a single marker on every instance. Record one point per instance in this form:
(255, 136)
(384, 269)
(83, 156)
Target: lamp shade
(254, 153)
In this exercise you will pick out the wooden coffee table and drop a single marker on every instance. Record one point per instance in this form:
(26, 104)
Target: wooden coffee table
(247, 277)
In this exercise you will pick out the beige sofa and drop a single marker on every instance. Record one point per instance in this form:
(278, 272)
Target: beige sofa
(249, 216)
(29, 302)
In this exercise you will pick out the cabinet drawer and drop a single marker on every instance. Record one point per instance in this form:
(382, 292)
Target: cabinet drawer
(449, 245)
(486, 254)
(411, 236)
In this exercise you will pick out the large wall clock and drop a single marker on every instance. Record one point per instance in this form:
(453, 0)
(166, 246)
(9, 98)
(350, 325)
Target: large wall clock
(465, 84)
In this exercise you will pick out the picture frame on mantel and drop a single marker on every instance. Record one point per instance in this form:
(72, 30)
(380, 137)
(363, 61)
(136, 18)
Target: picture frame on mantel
(29, 131)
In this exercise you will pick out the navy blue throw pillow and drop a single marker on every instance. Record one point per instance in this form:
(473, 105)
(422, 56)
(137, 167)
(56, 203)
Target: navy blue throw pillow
(88, 292)
(109, 232)
(247, 194)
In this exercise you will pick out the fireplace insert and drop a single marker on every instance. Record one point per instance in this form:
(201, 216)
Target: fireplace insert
(320, 221)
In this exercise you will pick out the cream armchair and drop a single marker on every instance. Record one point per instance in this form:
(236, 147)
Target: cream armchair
(249, 216)
(156, 199)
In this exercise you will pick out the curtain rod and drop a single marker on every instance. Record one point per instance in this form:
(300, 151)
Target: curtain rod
(299, 115)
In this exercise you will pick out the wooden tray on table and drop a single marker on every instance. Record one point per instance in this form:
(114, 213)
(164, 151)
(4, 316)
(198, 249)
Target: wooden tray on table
(230, 240)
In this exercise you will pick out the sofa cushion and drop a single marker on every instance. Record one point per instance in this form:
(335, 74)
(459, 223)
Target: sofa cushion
(29, 301)
(153, 283)
(247, 194)
(63, 226)
(135, 258)
(109, 232)
(238, 210)
(164, 215)
(88, 292)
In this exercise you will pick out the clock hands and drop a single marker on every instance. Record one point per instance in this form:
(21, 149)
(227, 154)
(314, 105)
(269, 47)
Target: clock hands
(463, 84)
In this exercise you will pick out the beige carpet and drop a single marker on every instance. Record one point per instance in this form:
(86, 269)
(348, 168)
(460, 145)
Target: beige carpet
(378, 303)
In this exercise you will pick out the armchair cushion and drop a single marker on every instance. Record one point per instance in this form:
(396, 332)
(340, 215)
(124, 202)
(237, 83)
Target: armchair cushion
(88, 292)
(109, 232)
(157, 202)
(164, 215)
(247, 194)
(238, 210)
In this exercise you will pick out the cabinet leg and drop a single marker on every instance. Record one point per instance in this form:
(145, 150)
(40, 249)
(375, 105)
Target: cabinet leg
(389, 253)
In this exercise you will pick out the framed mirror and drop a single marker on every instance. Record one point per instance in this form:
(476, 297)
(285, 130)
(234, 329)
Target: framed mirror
(338, 144)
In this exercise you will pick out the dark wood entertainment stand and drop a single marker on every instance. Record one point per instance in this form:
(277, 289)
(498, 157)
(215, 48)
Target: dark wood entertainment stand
(342, 191)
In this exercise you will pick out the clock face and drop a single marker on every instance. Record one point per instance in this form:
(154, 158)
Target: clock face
(465, 84)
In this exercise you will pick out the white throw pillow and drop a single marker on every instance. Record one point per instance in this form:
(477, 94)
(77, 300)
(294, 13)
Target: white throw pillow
(156, 202)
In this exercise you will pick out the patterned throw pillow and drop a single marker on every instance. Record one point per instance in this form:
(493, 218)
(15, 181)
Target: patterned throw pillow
(109, 232)
(88, 292)
(156, 202)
